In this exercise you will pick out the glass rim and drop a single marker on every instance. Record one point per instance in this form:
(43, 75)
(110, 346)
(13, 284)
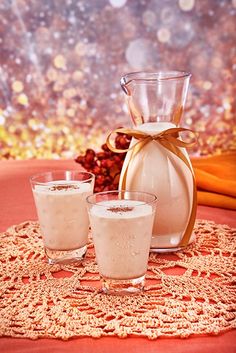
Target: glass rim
(38, 175)
(154, 76)
(154, 200)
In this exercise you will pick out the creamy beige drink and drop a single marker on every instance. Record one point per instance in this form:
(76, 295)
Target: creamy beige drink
(122, 232)
(62, 213)
(158, 171)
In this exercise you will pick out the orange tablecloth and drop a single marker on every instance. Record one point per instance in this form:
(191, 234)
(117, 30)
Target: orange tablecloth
(16, 205)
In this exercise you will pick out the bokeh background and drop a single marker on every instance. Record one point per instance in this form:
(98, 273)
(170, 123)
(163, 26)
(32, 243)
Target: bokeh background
(61, 62)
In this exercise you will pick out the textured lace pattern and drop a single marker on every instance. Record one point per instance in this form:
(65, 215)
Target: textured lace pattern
(39, 300)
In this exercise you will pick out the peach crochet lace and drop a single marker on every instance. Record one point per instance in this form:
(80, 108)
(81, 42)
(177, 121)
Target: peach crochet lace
(39, 300)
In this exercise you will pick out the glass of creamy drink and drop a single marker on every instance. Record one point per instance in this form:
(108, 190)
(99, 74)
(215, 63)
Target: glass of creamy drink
(121, 223)
(60, 199)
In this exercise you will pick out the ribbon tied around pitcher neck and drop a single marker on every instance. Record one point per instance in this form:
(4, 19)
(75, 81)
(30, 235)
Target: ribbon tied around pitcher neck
(170, 140)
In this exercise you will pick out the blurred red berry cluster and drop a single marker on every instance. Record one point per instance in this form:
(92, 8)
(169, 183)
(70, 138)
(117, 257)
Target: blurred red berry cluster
(106, 165)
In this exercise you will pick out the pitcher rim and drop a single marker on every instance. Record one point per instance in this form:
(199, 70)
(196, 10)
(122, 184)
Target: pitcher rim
(155, 76)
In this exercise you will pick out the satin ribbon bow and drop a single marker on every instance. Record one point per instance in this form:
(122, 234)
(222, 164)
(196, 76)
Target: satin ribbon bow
(170, 140)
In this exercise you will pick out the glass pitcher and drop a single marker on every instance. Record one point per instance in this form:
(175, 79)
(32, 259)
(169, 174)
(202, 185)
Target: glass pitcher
(156, 102)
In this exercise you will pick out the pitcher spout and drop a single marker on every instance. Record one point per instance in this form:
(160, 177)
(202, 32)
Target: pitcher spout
(126, 85)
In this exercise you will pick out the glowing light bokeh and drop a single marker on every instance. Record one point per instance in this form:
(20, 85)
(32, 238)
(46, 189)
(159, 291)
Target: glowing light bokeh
(61, 62)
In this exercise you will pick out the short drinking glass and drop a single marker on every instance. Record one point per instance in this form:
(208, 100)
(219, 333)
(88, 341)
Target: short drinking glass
(121, 223)
(60, 199)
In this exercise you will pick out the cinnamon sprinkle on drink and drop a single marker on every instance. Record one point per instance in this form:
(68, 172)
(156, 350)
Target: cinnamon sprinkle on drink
(63, 187)
(117, 209)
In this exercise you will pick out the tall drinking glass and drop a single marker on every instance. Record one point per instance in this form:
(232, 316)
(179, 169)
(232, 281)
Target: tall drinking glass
(60, 199)
(121, 223)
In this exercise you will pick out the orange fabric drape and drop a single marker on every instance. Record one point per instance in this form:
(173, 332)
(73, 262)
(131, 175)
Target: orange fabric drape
(216, 180)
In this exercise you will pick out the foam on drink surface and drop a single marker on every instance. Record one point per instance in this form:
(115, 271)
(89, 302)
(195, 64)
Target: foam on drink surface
(155, 127)
(62, 187)
(121, 209)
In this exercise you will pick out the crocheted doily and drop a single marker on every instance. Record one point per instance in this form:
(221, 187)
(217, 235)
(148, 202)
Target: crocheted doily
(187, 293)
